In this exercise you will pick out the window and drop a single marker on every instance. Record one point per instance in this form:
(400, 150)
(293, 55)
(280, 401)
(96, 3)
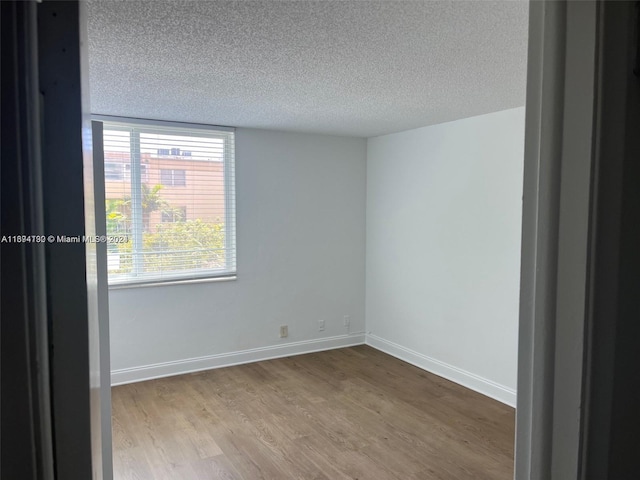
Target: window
(113, 171)
(144, 176)
(143, 163)
(173, 178)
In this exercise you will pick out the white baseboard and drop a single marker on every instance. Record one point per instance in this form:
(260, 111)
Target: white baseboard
(470, 380)
(190, 365)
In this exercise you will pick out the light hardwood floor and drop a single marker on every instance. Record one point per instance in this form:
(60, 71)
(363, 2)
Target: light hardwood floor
(352, 413)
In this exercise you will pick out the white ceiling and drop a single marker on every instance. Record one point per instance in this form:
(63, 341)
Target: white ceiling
(361, 68)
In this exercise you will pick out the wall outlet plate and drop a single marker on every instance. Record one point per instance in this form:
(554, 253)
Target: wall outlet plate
(321, 325)
(284, 331)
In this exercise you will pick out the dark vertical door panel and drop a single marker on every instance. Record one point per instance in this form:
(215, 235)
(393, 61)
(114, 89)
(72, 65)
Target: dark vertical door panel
(70, 267)
(25, 415)
(612, 444)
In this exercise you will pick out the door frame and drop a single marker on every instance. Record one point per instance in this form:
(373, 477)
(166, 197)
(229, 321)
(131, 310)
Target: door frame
(577, 251)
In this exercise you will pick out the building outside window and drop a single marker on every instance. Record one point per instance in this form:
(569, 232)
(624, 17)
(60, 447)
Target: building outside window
(173, 178)
(154, 176)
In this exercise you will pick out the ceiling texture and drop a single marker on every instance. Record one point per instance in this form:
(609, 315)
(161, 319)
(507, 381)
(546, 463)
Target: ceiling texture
(356, 68)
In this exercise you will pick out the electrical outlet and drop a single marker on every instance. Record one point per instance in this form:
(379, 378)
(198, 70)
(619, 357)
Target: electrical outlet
(321, 325)
(347, 320)
(284, 331)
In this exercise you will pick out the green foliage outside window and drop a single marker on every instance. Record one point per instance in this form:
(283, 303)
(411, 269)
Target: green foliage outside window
(188, 245)
(179, 245)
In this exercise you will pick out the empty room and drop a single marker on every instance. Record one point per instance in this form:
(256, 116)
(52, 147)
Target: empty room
(314, 217)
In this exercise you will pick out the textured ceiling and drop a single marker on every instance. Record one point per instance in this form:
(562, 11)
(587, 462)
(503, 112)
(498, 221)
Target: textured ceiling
(361, 68)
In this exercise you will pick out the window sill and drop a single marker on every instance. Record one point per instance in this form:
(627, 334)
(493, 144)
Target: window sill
(166, 283)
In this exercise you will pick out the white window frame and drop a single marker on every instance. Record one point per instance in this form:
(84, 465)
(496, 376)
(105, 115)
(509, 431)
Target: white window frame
(173, 177)
(138, 278)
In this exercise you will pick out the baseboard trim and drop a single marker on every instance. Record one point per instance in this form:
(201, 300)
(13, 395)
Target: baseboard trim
(190, 365)
(467, 379)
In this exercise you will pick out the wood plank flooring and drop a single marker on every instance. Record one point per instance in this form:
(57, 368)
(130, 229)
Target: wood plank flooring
(352, 413)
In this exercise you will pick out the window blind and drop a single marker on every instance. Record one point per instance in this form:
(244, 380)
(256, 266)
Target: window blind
(170, 202)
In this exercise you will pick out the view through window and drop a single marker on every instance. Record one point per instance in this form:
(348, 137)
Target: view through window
(169, 202)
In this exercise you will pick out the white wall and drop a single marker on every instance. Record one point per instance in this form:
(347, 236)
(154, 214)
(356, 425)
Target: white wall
(301, 258)
(444, 207)
(443, 217)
